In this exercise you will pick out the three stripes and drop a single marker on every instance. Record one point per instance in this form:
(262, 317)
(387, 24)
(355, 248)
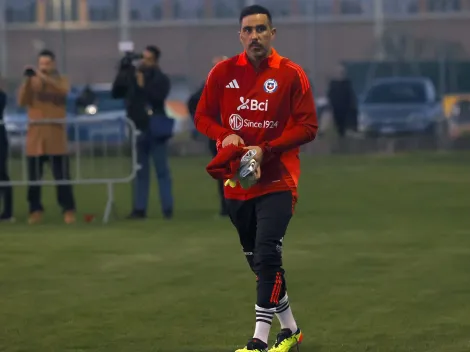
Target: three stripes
(266, 315)
(233, 84)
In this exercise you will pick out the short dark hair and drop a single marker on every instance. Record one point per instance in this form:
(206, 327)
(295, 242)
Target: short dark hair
(48, 53)
(255, 10)
(154, 50)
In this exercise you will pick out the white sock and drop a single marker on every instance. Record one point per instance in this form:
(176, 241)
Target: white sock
(285, 316)
(264, 319)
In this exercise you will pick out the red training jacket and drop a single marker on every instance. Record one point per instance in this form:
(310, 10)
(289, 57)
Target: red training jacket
(272, 108)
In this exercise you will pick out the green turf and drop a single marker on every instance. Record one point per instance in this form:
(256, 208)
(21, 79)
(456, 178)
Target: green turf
(377, 256)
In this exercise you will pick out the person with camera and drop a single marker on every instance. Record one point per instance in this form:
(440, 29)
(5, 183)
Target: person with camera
(145, 88)
(44, 94)
(6, 192)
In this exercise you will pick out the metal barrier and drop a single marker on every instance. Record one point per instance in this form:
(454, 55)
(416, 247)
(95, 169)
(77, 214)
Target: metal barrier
(97, 149)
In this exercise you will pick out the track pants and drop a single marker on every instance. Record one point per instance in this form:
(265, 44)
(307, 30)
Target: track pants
(261, 224)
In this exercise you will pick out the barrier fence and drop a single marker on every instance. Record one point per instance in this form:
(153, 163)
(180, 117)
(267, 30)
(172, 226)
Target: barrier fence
(102, 150)
(97, 151)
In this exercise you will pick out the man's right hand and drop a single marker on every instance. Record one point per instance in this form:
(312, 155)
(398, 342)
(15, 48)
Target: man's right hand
(232, 139)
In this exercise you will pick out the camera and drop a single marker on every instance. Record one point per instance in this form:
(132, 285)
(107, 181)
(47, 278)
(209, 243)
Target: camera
(29, 72)
(128, 60)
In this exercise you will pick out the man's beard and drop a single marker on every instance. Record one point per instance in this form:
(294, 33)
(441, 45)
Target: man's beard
(259, 53)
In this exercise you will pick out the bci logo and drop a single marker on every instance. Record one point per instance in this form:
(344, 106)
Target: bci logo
(252, 104)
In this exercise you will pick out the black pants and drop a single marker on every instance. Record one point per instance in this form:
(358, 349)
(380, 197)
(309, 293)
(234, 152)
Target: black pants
(6, 192)
(220, 183)
(345, 119)
(261, 224)
(60, 171)
(340, 118)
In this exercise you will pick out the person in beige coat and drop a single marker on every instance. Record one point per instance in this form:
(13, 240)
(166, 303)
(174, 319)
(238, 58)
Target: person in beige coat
(44, 94)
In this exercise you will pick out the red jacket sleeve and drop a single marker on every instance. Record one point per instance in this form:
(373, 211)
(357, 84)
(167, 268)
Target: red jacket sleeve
(304, 125)
(207, 116)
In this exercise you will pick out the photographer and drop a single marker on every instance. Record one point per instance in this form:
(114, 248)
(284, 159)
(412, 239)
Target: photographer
(6, 192)
(44, 94)
(145, 87)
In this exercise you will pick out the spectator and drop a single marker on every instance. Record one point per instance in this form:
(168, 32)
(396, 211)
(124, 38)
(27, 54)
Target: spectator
(342, 100)
(192, 105)
(145, 88)
(44, 94)
(6, 192)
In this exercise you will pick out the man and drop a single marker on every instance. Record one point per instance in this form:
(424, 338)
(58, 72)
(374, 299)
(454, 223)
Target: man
(192, 105)
(145, 89)
(265, 103)
(6, 192)
(44, 94)
(343, 102)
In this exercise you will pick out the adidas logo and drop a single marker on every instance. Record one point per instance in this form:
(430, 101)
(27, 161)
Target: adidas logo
(233, 84)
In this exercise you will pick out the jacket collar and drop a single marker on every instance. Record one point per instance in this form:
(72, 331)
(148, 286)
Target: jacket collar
(273, 60)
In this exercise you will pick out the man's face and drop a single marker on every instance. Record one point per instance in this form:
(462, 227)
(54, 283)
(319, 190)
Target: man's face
(46, 64)
(148, 59)
(256, 35)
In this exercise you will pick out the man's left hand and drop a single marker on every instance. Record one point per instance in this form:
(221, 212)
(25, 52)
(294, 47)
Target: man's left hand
(258, 173)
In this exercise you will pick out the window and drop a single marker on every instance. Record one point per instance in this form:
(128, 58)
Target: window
(278, 8)
(62, 10)
(324, 7)
(146, 10)
(351, 7)
(189, 9)
(443, 5)
(397, 93)
(103, 10)
(403, 7)
(21, 11)
(228, 8)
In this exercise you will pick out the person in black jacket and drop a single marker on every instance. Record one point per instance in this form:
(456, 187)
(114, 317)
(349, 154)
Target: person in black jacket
(192, 105)
(343, 102)
(6, 192)
(145, 88)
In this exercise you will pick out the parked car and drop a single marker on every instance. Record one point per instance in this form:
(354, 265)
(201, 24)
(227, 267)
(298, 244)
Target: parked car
(401, 105)
(110, 126)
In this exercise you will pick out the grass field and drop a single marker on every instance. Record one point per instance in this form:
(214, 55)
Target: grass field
(377, 259)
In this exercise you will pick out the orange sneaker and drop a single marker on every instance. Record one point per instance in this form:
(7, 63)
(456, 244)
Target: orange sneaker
(35, 217)
(69, 217)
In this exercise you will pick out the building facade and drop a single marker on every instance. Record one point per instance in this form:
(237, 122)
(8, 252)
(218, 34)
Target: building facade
(316, 33)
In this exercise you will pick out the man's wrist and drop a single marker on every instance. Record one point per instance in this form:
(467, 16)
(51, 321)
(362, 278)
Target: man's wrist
(224, 135)
(265, 147)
